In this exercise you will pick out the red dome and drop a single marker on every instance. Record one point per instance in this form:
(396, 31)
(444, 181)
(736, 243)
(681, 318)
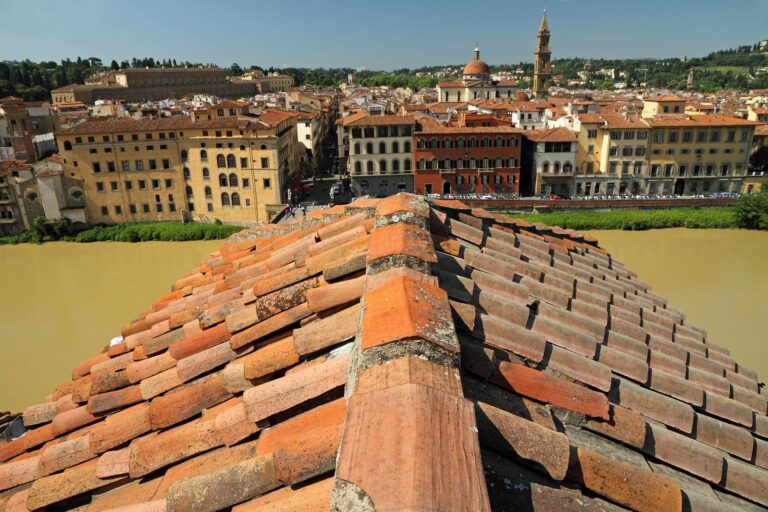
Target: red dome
(521, 96)
(476, 67)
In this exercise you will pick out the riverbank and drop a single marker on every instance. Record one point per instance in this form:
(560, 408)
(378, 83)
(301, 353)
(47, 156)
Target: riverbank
(633, 220)
(144, 232)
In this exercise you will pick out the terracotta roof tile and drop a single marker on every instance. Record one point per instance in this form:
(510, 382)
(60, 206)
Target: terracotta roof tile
(222, 386)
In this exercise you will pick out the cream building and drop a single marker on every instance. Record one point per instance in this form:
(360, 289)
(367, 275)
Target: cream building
(475, 84)
(215, 164)
(698, 154)
(380, 160)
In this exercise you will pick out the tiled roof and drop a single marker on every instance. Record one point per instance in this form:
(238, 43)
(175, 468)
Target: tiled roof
(664, 97)
(400, 355)
(368, 120)
(699, 120)
(550, 135)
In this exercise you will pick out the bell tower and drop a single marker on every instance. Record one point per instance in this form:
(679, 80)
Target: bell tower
(541, 74)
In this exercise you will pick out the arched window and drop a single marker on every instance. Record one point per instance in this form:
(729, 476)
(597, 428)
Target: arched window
(358, 168)
(395, 147)
(222, 180)
(472, 163)
(208, 192)
(447, 143)
(369, 148)
(395, 165)
(186, 173)
(67, 145)
(545, 167)
(485, 162)
(472, 142)
(357, 148)
(407, 146)
(224, 199)
(242, 147)
(499, 163)
(189, 191)
(512, 142)
(235, 199)
(499, 142)
(203, 155)
(460, 163)
(263, 147)
(233, 180)
(382, 147)
(220, 161)
(369, 167)
(231, 161)
(568, 168)
(382, 166)
(433, 143)
(206, 174)
(556, 167)
(422, 164)
(407, 164)
(460, 142)
(184, 155)
(486, 142)
(421, 144)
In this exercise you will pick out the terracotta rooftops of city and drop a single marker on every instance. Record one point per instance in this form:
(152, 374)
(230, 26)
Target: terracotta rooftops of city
(430, 125)
(612, 120)
(550, 135)
(699, 120)
(400, 354)
(378, 120)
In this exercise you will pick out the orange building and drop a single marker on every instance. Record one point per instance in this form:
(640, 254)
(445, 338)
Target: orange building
(478, 154)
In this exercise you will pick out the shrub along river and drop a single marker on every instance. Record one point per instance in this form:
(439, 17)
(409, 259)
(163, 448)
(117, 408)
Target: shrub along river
(62, 302)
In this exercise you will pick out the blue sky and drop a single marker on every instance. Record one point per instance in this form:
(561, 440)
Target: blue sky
(374, 34)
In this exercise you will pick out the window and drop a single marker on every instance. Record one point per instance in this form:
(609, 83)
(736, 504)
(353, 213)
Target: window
(243, 162)
(638, 167)
(113, 186)
(206, 174)
(155, 184)
(118, 209)
(668, 170)
(139, 165)
(682, 170)
(96, 167)
(731, 135)
(382, 166)
(150, 148)
(725, 169)
(91, 140)
(104, 210)
(358, 168)
(639, 151)
(714, 136)
(626, 151)
(132, 209)
(624, 167)
(235, 199)
(658, 136)
(613, 151)
(142, 185)
(166, 163)
(591, 134)
(107, 150)
(382, 147)
(152, 164)
(687, 136)
(368, 148)
(406, 147)
(208, 192)
(395, 165)
(264, 163)
(654, 170)
(642, 135)
(221, 161)
(222, 180)
(67, 145)
(120, 138)
(407, 164)
(100, 186)
(184, 155)
(672, 136)
(590, 149)
(168, 183)
(612, 167)
(267, 183)
(125, 165)
(246, 183)
(78, 140)
(369, 167)
(231, 161)
(110, 166)
(395, 147)
(145, 207)
(233, 180)
(615, 134)
(629, 135)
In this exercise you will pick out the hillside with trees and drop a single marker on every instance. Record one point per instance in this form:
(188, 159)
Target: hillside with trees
(741, 68)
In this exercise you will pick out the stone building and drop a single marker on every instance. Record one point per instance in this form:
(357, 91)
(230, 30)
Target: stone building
(139, 84)
(549, 160)
(215, 164)
(380, 160)
(25, 121)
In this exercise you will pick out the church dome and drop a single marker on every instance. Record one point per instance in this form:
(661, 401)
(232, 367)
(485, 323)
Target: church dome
(521, 96)
(477, 66)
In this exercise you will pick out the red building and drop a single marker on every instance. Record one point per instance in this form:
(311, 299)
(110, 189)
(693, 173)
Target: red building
(479, 153)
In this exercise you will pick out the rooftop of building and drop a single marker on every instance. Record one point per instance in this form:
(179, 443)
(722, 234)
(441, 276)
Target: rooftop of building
(400, 354)
(703, 120)
(364, 119)
(550, 135)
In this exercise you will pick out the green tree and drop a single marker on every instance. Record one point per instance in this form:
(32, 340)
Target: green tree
(752, 209)
(114, 65)
(758, 162)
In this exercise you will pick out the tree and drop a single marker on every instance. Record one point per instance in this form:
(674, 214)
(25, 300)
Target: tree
(114, 65)
(752, 209)
(235, 70)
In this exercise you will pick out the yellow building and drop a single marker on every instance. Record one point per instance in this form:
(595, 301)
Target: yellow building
(661, 105)
(611, 154)
(698, 154)
(215, 164)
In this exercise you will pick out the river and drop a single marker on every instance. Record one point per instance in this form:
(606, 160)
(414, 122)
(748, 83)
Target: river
(62, 302)
(717, 277)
